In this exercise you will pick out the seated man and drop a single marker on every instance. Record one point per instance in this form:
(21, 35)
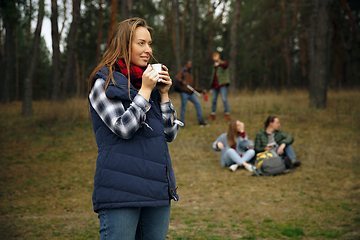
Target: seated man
(272, 138)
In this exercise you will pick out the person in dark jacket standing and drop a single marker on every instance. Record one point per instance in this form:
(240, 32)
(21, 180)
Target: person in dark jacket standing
(220, 81)
(272, 138)
(133, 119)
(186, 83)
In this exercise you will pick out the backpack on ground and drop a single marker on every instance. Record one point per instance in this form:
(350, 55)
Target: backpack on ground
(269, 164)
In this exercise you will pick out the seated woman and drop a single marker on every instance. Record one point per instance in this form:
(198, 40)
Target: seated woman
(235, 147)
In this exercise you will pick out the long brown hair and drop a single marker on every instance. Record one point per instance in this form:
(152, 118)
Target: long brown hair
(232, 133)
(119, 47)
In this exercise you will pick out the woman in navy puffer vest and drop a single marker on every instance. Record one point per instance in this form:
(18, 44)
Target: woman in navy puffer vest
(133, 120)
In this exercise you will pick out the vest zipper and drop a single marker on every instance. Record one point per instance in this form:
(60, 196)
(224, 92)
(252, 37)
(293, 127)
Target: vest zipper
(171, 191)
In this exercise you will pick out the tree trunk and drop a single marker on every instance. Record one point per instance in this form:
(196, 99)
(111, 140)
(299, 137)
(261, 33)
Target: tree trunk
(83, 77)
(193, 14)
(176, 35)
(210, 41)
(303, 59)
(2, 55)
(339, 66)
(28, 92)
(319, 52)
(9, 62)
(126, 9)
(28, 28)
(167, 18)
(351, 47)
(129, 8)
(99, 36)
(64, 16)
(79, 85)
(212, 9)
(9, 20)
(17, 81)
(69, 72)
(56, 62)
(183, 29)
(234, 44)
(113, 18)
(286, 49)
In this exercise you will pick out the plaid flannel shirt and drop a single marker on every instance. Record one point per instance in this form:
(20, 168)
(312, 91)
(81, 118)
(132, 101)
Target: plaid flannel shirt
(125, 123)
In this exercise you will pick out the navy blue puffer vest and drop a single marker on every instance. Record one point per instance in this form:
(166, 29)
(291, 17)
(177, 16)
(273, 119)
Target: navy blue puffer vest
(133, 172)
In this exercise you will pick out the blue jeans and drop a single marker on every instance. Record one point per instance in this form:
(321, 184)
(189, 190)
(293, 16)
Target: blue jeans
(231, 157)
(223, 93)
(195, 100)
(134, 223)
(289, 151)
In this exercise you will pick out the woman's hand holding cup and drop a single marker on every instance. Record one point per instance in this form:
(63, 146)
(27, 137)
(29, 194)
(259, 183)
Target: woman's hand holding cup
(164, 82)
(149, 80)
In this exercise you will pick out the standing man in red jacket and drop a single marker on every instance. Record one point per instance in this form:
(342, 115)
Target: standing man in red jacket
(219, 83)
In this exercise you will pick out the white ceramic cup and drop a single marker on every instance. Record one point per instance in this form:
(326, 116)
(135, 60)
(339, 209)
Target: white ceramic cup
(158, 68)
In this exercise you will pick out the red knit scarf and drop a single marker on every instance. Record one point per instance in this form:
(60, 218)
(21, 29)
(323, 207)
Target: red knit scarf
(135, 72)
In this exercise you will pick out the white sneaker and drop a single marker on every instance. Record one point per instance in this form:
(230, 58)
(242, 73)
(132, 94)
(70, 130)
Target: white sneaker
(249, 167)
(233, 167)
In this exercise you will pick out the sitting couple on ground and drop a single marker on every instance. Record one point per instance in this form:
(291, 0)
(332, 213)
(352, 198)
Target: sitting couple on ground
(237, 150)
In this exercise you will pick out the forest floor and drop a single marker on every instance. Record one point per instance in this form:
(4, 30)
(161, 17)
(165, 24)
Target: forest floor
(48, 163)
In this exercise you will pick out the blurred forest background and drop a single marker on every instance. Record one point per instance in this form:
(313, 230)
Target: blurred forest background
(269, 44)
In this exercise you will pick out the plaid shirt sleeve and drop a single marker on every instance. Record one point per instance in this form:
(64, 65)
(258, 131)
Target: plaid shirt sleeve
(123, 123)
(170, 120)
